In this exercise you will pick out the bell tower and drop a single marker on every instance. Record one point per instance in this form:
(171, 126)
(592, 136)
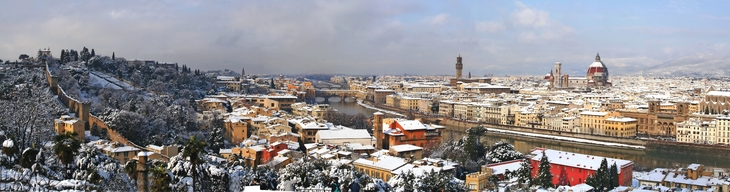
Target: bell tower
(378, 129)
(459, 67)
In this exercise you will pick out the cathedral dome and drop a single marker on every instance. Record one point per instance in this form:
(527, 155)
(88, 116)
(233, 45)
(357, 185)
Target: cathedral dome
(597, 67)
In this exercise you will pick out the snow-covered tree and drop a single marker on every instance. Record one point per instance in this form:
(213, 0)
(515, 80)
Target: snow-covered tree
(524, 173)
(502, 151)
(544, 176)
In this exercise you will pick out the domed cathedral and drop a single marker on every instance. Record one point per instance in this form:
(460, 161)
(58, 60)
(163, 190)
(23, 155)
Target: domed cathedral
(596, 76)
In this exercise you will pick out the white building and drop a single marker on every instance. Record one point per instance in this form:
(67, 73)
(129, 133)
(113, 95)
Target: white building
(696, 131)
(344, 136)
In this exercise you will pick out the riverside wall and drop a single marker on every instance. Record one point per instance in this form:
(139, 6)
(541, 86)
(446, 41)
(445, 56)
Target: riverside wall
(462, 126)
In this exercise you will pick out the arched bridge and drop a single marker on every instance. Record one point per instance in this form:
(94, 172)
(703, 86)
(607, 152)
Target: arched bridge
(342, 94)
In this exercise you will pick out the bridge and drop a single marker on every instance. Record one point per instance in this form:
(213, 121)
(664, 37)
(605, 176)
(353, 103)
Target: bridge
(342, 94)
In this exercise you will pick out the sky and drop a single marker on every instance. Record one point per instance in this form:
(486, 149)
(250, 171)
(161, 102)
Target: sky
(375, 37)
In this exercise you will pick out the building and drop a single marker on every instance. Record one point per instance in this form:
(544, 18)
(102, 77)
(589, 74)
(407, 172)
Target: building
(406, 151)
(120, 152)
(596, 76)
(715, 102)
(381, 94)
(696, 131)
(70, 124)
(459, 79)
(343, 136)
(655, 121)
(280, 102)
(620, 127)
(579, 166)
(483, 88)
(392, 132)
(477, 181)
(236, 128)
(695, 178)
(165, 150)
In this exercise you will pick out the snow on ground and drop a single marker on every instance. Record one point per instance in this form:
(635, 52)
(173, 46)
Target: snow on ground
(566, 138)
(97, 80)
(381, 110)
(111, 80)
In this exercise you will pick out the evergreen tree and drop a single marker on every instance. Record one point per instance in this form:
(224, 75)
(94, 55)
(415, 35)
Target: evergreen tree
(113, 56)
(593, 181)
(215, 140)
(614, 176)
(524, 173)
(93, 53)
(66, 147)
(544, 176)
(603, 176)
(271, 85)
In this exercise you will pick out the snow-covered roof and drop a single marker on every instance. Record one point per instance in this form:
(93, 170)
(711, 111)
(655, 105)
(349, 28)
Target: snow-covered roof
(621, 119)
(501, 168)
(344, 134)
(121, 149)
(719, 93)
(577, 160)
(593, 113)
(406, 147)
(385, 162)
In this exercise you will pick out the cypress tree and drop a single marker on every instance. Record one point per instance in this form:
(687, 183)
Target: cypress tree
(603, 175)
(93, 53)
(614, 177)
(113, 56)
(544, 176)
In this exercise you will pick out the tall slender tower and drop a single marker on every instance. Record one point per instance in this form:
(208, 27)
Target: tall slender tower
(243, 72)
(558, 74)
(142, 172)
(378, 129)
(459, 67)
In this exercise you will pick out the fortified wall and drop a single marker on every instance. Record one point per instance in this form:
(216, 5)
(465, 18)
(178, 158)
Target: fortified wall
(81, 109)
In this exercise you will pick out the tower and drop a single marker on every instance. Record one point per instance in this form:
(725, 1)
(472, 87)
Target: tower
(654, 107)
(243, 72)
(459, 67)
(378, 129)
(557, 73)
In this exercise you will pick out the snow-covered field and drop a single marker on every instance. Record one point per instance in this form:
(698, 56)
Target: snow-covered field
(96, 80)
(105, 80)
(566, 138)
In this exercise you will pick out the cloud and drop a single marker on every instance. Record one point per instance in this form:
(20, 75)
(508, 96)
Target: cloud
(440, 19)
(490, 26)
(530, 17)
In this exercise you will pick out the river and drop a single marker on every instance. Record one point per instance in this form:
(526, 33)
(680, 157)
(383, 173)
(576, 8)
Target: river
(641, 158)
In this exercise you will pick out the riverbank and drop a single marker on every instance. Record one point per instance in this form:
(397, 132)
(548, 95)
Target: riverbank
(363, 104)
(545, 134)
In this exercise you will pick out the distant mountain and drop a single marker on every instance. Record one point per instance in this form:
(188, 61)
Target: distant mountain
(702, 65)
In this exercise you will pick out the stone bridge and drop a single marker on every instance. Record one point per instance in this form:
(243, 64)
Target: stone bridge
(342, 94)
